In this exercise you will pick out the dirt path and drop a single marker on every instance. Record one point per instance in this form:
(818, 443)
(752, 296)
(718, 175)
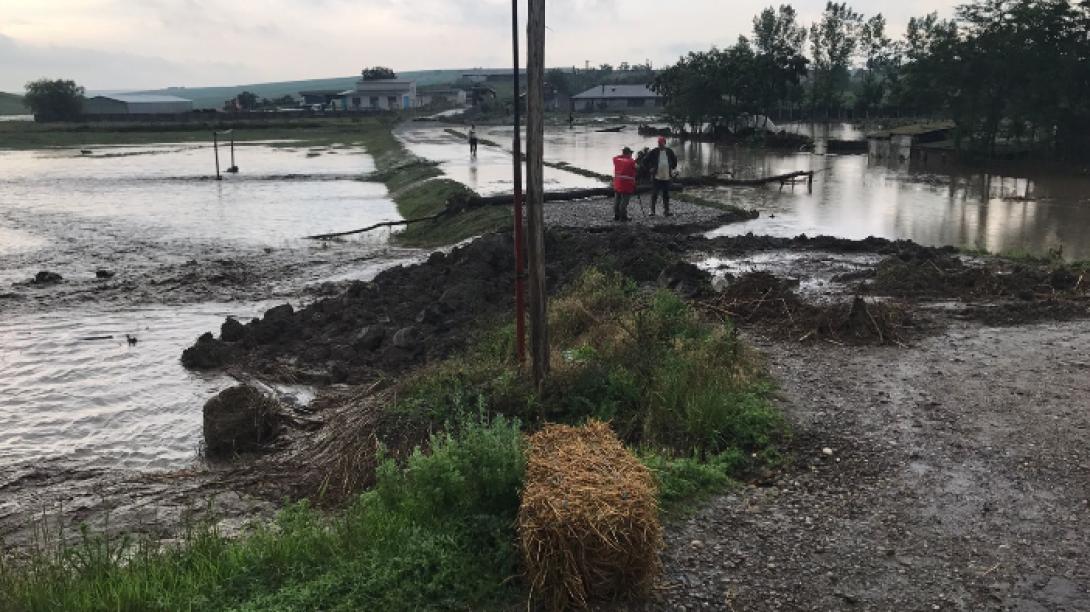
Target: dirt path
(958, 480)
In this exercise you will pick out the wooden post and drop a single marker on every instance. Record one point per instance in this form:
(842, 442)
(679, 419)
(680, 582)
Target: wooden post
(520, 236)
(535, 189)
(216, 148)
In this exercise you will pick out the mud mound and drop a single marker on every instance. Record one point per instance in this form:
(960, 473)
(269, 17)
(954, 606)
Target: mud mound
(1021, 313)
(771, 303)
(239, 419)
(410, 315)
(921, 272)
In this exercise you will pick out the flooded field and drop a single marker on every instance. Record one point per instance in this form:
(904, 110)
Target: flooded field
(182, 251)
(854, 197)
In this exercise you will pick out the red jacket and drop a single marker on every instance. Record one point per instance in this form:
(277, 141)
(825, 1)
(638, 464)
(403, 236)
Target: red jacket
(624, 174)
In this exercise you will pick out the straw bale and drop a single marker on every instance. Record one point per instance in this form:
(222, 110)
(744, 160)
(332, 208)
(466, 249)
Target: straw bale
(588, 524)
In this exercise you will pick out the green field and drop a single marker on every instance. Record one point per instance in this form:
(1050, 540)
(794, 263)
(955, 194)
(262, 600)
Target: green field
(11, 104)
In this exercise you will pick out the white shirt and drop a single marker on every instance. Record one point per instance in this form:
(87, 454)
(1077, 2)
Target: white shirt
(663, 172)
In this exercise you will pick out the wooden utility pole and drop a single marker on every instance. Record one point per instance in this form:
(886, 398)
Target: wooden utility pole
(520, 236)
(535, 188)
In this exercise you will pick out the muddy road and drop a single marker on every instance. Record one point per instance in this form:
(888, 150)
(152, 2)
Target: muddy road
(957, 477)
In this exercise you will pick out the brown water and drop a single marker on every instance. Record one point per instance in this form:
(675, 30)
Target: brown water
(72, 390)
(1001, 210)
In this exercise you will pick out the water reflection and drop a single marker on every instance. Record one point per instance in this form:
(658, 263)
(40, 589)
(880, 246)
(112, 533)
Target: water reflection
(927, 200)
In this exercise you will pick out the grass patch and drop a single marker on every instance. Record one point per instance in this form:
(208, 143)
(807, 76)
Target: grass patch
(436, 534)
(418, 193)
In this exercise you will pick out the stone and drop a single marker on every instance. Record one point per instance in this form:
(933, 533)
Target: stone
(46, 277)
(369, 338)
(207, 354)
(239, 419)
(406, 338)
(104, 274)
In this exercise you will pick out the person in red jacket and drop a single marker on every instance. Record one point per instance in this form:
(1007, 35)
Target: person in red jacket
(624, 183)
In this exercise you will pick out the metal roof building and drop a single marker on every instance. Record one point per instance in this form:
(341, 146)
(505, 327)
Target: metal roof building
(616, 97)
(136, 104)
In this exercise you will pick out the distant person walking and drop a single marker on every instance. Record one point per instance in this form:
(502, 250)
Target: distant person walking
(473, 140)
(660, 164)
(624, 183)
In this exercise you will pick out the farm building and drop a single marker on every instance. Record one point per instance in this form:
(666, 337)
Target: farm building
(136, 104)
(382, 94)
(616, 97)
(437, 97)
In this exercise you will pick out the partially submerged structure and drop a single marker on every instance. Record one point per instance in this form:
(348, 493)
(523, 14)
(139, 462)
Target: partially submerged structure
(616, 97)
(906, 141)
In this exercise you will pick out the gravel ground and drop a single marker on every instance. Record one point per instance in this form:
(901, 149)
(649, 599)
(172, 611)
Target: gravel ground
(599, 213)
(952, 475)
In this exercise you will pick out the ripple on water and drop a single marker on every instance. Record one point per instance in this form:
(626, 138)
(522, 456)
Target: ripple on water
(101, 402)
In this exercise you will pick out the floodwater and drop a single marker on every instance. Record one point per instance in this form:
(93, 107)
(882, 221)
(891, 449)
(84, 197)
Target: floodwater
(934, 203)
(73, 391)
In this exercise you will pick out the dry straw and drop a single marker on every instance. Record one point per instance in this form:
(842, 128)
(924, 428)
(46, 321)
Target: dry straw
(589, 524)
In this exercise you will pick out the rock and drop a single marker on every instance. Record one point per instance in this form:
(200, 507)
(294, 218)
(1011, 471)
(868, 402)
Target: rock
(370, 338)
(46, 277)
(827, 451)
(406, 338)
(276, 322)
(685, 279)
(207, 354)
(432, 314)
(460, 296)
(104, 274)
(237, 420)
(279, 314)
(232, 330)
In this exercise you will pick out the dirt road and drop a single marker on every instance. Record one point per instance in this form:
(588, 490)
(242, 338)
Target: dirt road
(952, 475)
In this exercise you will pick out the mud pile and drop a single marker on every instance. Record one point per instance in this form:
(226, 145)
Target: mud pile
(409, 315)
(772, 303)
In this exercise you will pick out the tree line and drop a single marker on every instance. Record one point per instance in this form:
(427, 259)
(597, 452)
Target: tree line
(1005, 71)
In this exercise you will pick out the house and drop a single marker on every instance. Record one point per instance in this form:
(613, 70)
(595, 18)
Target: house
(136, 104)
(381, 94)
(443, 97)
(323, 97)
(616, 97)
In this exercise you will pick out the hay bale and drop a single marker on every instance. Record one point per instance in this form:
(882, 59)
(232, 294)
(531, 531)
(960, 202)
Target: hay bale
(588, 524)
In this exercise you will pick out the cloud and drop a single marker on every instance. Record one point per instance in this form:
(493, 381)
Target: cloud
(20, 63)
(126, 44)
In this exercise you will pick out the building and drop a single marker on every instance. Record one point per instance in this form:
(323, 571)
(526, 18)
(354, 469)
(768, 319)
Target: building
(616, 97)
(322, 97)
(380, 95)
(905, 142)
(443, 97)
(136, 104)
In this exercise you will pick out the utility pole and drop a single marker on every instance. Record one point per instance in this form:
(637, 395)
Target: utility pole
(535, 170)
(520, 253)
(216, 149)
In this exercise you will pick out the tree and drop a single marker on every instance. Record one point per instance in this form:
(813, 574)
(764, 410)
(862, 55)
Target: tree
(779, 63)
(247, 100)
(54, 100)
(881, 57)
(378, 73)
(832, 44)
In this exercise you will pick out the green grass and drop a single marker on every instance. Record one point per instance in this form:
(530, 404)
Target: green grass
(435, 534)
(418, 193)
(11, 104)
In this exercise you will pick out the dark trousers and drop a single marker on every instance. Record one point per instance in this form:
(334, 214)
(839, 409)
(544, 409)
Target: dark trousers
(473, 146)
(620, 206)
(662, 187)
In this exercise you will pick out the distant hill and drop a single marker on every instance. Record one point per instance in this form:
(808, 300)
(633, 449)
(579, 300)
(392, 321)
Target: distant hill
(11, 104)
(214, 97)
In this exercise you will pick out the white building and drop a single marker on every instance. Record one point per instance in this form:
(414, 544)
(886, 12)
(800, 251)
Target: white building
(383, 94)
(136, 104)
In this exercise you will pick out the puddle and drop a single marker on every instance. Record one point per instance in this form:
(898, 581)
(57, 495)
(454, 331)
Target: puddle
(814, 271)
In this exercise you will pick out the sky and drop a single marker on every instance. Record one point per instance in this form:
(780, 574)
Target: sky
(149, 44)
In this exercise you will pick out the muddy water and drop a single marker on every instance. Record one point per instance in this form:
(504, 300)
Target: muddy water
(934, 203)
(75, 391)
(72, 389)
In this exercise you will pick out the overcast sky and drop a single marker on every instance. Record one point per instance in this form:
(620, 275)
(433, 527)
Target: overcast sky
(127, 44)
